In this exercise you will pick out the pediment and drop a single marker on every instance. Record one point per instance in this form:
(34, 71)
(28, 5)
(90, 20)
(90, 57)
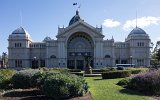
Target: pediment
(80, 26)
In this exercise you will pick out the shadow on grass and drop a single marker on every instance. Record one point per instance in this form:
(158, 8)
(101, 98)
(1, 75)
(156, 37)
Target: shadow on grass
(131, 92)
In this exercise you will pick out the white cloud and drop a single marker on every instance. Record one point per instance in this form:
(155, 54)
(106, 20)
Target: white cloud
(158, 38)
(110, 23)
(141, 22)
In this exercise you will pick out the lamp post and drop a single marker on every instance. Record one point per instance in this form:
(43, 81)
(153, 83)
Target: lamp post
(131, 60)
(34, 61)
(4, 59)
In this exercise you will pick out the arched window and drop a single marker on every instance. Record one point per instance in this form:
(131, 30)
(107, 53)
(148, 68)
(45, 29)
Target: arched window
(107, 56)
(52, 56)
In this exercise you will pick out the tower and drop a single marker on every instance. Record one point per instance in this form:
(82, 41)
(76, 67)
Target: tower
(139, 47)
(18, 49)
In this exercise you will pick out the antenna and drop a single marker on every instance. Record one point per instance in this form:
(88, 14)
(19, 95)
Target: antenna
(136, 18)
(21, 16)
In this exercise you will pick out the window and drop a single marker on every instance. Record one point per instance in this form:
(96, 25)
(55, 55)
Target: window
(17, 45)
(140, 44)
(140, 62)
(18, 63)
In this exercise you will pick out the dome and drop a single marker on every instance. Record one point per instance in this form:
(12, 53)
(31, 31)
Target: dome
(21, 32)
(75, 18)
(46, 39)
(137, 30)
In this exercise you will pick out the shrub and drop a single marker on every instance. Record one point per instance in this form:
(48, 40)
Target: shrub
(123, 82)
(120, 68)
(22, 79)
(136, 70)
(78, 73)
(74, 70)
(4, 82)
(5, 78)
(61, 86)
(55, 70)
(116, 74)
(7, 72)
(148, 82)
(37, 79)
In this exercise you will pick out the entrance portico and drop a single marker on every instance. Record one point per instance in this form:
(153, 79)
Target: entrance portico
(79, 45)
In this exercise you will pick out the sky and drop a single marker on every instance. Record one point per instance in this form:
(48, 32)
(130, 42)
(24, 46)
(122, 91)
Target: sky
(41, 18)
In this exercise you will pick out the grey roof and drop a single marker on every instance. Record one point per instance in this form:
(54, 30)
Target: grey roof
(21, 31)
(75, 18)
(47, 39)
(137, 30)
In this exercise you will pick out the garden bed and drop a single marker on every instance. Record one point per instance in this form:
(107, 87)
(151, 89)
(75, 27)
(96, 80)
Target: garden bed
(34, 94)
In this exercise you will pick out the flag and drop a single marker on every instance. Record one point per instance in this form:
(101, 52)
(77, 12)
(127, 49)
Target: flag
(74, 4)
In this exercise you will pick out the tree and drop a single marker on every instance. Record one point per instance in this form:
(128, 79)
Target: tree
(155, 56)
(158, 56)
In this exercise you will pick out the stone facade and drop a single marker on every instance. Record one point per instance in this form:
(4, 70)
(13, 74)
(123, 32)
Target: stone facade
(74, 43)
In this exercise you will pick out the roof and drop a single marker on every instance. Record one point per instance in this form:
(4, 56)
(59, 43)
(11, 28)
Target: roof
(21, 30)
(137, 30)
(75, 18)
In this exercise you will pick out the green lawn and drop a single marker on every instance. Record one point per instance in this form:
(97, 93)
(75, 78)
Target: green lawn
(108, 90)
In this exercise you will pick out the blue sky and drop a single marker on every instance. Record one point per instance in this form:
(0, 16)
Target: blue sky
(42, 17)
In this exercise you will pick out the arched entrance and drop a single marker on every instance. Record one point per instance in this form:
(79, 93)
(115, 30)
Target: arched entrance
(79, 45)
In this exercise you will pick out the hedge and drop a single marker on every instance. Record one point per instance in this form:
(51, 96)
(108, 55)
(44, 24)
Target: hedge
(116, 74)
(74, 70)
(78, 73)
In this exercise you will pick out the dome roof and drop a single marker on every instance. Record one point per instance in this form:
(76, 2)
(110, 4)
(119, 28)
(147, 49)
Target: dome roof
(137, 30)
(75, 18)
(46, 39)
(21, 31)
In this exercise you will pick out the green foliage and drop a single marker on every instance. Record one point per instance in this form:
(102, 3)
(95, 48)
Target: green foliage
(74, 70)
(37, 79)
(99, 71)
(55, 70)
(22, 79)
(158, 55)
(60, 86)
(116, 74)
(148, 82)
(5, 78)
(136, 70)
(7, 72)
(120, 68)
(4, 82)
(78, 73)
(123, 82)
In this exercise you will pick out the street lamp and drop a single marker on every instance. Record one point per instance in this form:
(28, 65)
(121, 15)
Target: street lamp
(4, 59)
(131, 60)
(34, 61)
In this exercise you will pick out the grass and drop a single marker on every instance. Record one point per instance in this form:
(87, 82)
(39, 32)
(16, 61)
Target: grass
(108, 90)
